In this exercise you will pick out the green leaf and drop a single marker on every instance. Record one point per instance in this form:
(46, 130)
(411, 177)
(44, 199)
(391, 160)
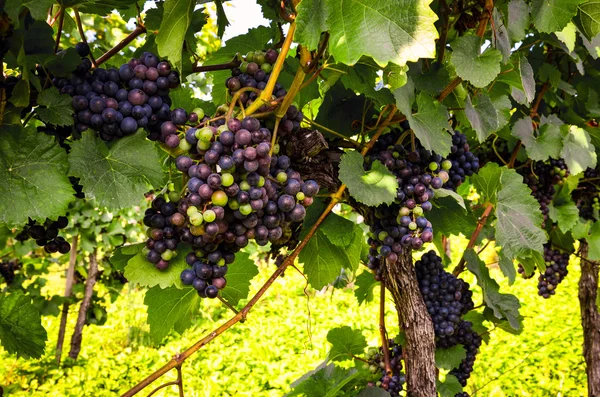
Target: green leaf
(395, 75)
(500, 37)
(168, 307)
(33, 177)
(20, 94)
(593, 241)
(374, 187)
(452, 194)
(324, 382)
(450, 358)
(504, 305)
(57, 108)
(518, 17)
(222, 21)
(362, 78)
(546, 144)
(345, 343)
(400, 36)
(565, 215)
(140, 271)
(21, 330)
(117, 177)
(526, 76)
(449, 218)
(365, 284)
(176, 19)
(239, 275)
(450, 387)
(487, 181)
(568, 36)
(589, 18)
(430, 123)
(339, 230)
(123, 254)
(479, 69)
(578, 151)
(482, 115)
(553, 15)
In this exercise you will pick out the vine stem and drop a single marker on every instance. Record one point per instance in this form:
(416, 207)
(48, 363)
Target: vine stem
(68, 292)
(241, 315)
(82, 33)
(139, 29)
(236, 97)
(480, 224)
(332, 132)
(234, 63)
(383, 333)
(61, 20)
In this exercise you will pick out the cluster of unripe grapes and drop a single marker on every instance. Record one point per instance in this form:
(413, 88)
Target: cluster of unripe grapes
(46, 235)
(392, 384)
(116, 102)
(236, 192)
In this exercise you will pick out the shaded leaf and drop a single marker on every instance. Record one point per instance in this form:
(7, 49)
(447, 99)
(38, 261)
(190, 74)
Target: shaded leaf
(553, 15)
(21, 330)
(168, 307)
(365, 284)
(374, 187)
(450, 358)
(578, 151)
(239, 275)
(176, 19)
(140, 271)
(57, 109)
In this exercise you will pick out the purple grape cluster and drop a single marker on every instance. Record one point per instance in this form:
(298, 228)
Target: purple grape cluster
(466, 336)
(236, 192)
(116, 102)
(392, 384)
(464, 162)
(556, 271)
(447, 297)
(8, 269)
(587, 195)
(46, 235)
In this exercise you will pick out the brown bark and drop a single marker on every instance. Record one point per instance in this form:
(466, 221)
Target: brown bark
(68, 292)
(419, 352)
(590, 321)
(85, 305)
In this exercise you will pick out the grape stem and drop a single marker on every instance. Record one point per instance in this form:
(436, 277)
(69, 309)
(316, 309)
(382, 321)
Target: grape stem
(82, 33)
(61, 20)
(332, 132)
(233, 309)
(480, 224)
(236, 97)
(234, 63)
(139, 29)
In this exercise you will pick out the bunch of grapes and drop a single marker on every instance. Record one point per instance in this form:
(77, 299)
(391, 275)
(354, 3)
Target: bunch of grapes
(521, 271)
(587, 195)
(464, 162)
(46, 235)
(116, 102)
(466, 336)
(236, 192)
(556, 271)
(8, 268)
(542, 179)
(447, 297)
(392, 384)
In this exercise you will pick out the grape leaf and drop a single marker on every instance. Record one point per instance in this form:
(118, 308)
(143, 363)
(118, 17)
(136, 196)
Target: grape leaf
(450, 358)
(450, 387)
(339, 230)
(504, 305)
(168, 307)
(374, 187)
(326, 381)
(430, 123)
(553, 15)
(452, 194)
(482, 115)
(21, 330)
(449, 218)
(57, 108)
(117, 177)
(565, 215)
(365, 284)
(518, 17)
(123, 254)
(33, 177)
(589, 18)
(177, 17)
(593, 241)
(222, 21)
(383, 30)
(395, 75)
(140, 271)
(500, 37)
(568, 36)
(239, 275)
(526, 76)
(20, 94)
(478, 68)
(345, 343)
(578, 151)
(547, 143)
(362, 78)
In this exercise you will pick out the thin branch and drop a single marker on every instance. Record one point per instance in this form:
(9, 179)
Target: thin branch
(233, 309)
(68, 291)
(480, 224)
(82, 33)
(139, 29)
(332, 132)
(171, 383)
(513, 157)
(61, 20)
(444, 13)
(234, 63)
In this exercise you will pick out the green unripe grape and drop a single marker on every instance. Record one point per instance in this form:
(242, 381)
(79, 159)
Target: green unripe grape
(563, 173)
(233, 204)
(266, 67)
(219, 198)
(222, 109)
(382, 234)
(167, 255)
(395, 155)
(433, 166)
(245, 186)
(282, 177)
(446, 165)
(221, 262)
(412, 226)
(227, 180)
(300, 196)
(209, 215)
(203, 145)
(196, 230)
(192, 210)
(444, 176)
(250, 56)
(149, 232)
(244, 67)
(204, 134)
(222, 128)
(174, 197)
(246, 209)
(196, 219)
(261, 182)
(199, 112)
(418, 211)
(185, 145)
(259, 58)
(404, 211)
(145, 251)
(373, 369)
(276, 148)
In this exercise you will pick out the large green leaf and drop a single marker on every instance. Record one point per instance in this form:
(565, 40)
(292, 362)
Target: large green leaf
(578, 151)
(170, 308)
(450, 358)
(589, 18)
(177, 17)
(345, 343)
(483, 115)
(518, 18)
(325, 381)
(33, 177)
(374, 187)
(140, 271)
(21, 330)
(450, 387)
(239, 275)
(117, 177)
(547, 143)
(478, 68)
(55, 108)
(449, 218)
(388, 31)
(553, 15)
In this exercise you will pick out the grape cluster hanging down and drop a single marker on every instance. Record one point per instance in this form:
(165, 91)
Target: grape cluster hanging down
(403, 225)
(587, 195)
(466, 336)
(46, 235)
(556, 271)
(236, 192)
(8, 269)
(392, 384)
(116, 102)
